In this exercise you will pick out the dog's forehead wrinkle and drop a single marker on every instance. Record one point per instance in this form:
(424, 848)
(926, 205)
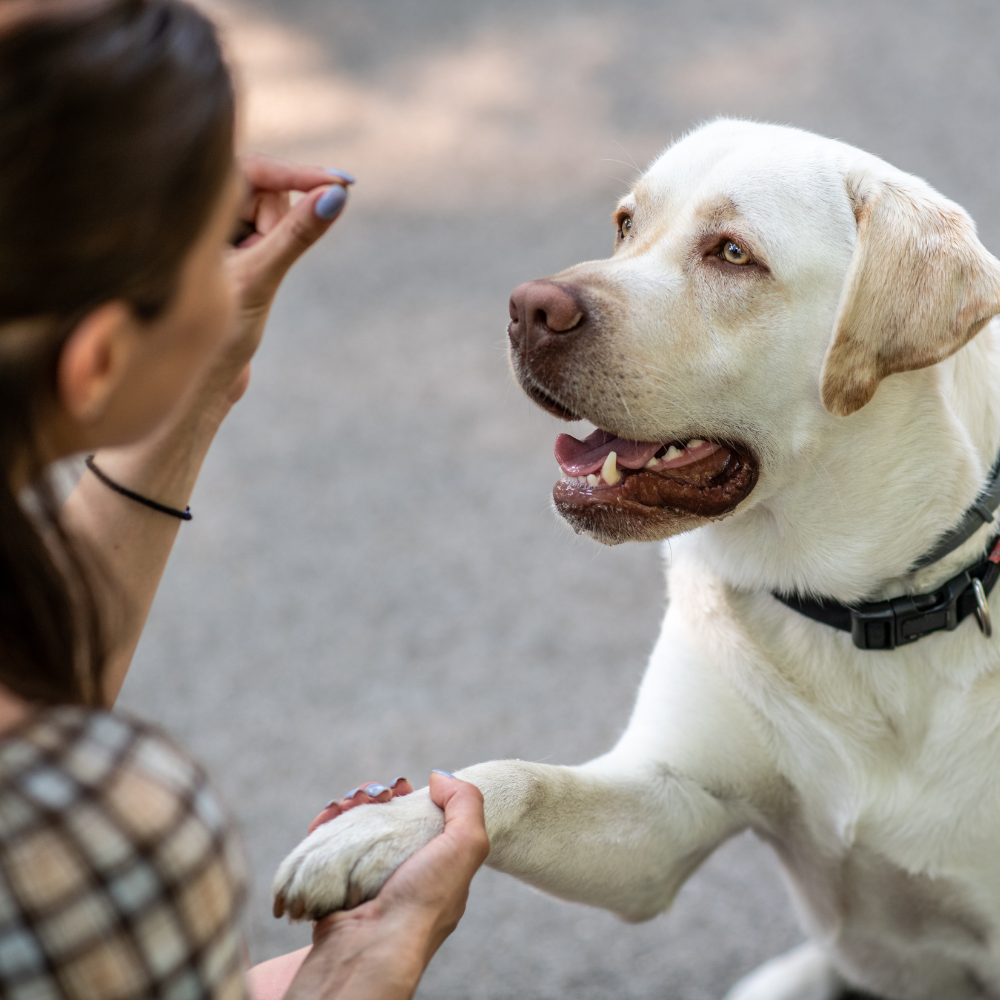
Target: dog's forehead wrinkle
(762, 169)
(716, 209)
(652, 202)
(795, 233)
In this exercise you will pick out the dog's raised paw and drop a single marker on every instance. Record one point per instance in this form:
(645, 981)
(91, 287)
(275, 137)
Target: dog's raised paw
(348, 860)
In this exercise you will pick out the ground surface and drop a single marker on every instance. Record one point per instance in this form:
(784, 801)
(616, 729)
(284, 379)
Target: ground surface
(373, 584)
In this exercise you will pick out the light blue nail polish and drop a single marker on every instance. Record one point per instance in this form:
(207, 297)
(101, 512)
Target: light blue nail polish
(342, 174)
(438, 770)
(331, 204)
(332, 802)
(375, 789)
(352, 793)
(396, 781)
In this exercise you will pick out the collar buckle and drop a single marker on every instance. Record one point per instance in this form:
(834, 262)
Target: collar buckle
(888, 624)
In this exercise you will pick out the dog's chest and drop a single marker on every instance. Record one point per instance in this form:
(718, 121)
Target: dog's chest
(889, 830)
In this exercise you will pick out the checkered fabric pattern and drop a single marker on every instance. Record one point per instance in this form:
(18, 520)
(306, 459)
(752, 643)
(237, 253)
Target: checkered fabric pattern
(120, 876)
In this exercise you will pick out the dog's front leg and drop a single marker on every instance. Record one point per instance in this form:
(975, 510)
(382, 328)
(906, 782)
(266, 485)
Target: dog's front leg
(605, 833)
(598, 834)
(622, 831)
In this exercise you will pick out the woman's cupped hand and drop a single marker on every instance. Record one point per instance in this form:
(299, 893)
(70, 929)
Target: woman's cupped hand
(380, 949)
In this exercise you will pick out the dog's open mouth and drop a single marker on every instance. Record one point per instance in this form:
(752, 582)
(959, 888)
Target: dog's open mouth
(671, 483)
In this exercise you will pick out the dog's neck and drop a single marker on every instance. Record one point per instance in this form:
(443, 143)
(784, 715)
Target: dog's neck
(858, 505)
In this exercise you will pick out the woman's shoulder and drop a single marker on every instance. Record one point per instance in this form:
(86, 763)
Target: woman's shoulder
(69, 755)
(67, 764)
(118, 866)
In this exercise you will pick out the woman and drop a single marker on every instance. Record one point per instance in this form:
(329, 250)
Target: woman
(126, 329)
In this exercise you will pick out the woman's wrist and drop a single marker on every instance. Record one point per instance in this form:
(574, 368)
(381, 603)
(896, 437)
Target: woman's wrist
(368, 953)
(166, 465)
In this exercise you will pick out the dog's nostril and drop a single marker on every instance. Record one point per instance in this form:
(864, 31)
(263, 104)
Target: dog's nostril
(553, 307)
(561, 323)
(539, 309)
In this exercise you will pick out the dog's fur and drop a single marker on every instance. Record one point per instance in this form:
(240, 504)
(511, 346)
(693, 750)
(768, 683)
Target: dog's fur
(847, 362)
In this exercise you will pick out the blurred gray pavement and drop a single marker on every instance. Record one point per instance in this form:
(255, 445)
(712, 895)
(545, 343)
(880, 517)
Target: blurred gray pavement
(373, 583)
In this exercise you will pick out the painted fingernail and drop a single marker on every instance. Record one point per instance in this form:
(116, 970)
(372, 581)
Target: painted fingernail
(352, 793)
(331, 204)
(342, 174)
(332, 802)
(396, 781)
(375, 789)
(438, 770)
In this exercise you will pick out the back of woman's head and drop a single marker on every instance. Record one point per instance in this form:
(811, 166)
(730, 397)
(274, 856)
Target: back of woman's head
(116, 121)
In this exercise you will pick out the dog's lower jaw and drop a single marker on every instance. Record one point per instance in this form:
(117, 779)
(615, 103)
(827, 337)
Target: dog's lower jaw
(612, 525)
(630, 512)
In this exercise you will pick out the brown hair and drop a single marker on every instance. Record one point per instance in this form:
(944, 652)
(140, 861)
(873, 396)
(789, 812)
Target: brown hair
(116, 137)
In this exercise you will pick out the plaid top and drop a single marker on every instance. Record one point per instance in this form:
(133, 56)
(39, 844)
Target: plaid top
(120, 876)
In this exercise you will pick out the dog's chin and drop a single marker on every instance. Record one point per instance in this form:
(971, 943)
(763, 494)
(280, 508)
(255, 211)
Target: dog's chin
(648, 505)
(541, 398)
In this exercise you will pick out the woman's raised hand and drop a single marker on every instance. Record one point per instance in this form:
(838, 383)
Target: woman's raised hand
(272, 234)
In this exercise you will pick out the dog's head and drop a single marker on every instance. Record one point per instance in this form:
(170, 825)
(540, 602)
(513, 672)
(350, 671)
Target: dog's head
(763, 280)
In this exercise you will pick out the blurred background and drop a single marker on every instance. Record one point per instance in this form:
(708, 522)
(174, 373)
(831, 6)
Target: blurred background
(374, 583)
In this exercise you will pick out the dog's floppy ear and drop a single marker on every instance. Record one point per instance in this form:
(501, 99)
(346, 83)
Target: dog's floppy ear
(920, 285)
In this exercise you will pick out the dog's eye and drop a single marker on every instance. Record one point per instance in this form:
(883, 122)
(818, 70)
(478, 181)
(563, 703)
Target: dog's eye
(624, 227)
(734, 253)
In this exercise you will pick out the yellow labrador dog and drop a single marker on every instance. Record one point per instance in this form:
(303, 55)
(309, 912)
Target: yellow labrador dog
(790, 365)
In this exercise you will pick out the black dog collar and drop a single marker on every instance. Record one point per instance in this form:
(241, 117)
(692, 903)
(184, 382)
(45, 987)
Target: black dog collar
(888, 624)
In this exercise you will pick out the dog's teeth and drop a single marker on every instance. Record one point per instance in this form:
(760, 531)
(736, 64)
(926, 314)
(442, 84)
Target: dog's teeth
(609, 471)
(653, 461)
(673, 452)
(593, 480)
(695, 443)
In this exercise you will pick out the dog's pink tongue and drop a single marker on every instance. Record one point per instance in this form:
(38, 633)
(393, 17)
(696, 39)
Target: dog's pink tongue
(580, 458)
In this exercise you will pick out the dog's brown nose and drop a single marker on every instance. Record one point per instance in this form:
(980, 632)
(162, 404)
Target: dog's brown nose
(540, 310)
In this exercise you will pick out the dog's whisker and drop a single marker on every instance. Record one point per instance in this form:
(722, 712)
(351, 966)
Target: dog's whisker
(635, 165)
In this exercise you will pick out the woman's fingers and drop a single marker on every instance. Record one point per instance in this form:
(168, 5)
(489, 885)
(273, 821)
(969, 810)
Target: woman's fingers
(330, 811)
(269, 237)
(269, 183)
(370, 791)
(267, 209)
(262, 263)
(462, 803)
(274, 233)
(431, 887)
(269, 174)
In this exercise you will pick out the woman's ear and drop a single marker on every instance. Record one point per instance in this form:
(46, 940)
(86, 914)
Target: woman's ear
(94, 359)
(920, 286)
